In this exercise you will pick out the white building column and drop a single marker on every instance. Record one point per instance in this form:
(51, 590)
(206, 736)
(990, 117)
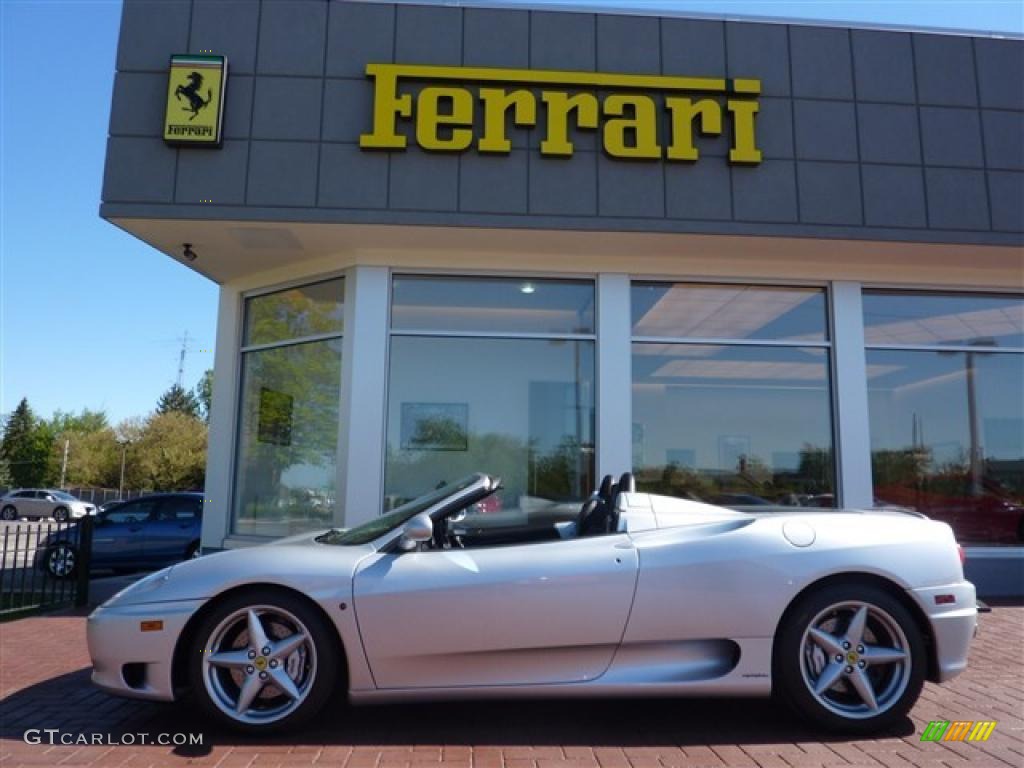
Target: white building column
(220, 449)
(614, 376)
(853, 437)
(360, 468)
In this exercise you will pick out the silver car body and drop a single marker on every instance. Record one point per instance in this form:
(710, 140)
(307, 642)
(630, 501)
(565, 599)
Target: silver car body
(683, 598)
(44, 502)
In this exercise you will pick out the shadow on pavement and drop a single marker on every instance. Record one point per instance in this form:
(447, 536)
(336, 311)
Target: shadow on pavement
(70, 703)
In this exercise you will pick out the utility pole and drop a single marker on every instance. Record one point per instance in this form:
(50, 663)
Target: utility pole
(64, 463)
(124, 449)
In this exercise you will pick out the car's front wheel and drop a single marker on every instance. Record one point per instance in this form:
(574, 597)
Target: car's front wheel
(9, 513)
(851, 658)
(62, 561)
(60, 514)
(263, 661)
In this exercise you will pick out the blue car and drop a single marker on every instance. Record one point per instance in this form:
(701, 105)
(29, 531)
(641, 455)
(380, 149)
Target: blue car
(139, 534)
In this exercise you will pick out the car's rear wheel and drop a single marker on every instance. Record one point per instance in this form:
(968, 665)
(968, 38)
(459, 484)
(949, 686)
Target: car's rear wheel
(850, 657)
(60, 514)
(9, 513)
(263, 661)
(62, 561)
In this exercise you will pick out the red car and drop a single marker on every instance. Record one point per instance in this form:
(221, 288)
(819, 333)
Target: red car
(985, 519)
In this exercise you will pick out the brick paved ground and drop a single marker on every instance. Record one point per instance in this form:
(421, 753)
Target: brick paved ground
(44, 682)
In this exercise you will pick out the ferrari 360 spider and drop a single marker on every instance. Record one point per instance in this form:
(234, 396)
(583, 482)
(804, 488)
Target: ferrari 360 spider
(843, 614)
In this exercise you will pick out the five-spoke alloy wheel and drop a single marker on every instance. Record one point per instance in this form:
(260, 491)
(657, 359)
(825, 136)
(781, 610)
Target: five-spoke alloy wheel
(850, 656)
(264, 661)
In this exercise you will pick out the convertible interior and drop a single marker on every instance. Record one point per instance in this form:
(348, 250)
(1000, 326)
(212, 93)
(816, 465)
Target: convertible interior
(470, 528)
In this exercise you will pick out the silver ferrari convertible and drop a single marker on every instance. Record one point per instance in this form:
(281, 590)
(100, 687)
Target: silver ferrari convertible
(844, 615)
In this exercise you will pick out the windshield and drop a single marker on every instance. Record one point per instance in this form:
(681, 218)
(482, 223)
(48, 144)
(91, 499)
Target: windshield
(63, 496)
(374, 529)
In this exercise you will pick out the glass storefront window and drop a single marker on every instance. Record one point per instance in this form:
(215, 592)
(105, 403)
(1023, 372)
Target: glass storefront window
(894, 318)
(733, 425)
(288, 419)
(308, 310)
(706, 311)
(492, 305)
(947, 425)
(520, 408)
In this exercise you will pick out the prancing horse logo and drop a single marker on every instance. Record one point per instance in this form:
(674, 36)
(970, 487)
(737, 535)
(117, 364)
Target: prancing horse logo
(191, 92)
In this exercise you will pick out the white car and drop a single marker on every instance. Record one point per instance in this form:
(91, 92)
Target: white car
(842, 614)
(39, 503)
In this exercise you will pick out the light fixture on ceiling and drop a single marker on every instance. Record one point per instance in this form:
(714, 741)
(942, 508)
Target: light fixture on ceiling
(527, 288)
(188, 253)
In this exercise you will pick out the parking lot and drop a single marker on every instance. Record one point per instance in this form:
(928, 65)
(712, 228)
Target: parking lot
(44, 679)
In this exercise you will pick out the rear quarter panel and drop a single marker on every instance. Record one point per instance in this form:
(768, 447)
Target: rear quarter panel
(737, 583)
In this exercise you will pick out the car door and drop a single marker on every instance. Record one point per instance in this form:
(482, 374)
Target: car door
(24, 502)
(119, 539)
(45, 503)
(31, 504)
(548, 612)
(174, 527)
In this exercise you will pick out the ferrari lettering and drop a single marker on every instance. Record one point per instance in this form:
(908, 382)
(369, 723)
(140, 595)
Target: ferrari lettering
(640, 117)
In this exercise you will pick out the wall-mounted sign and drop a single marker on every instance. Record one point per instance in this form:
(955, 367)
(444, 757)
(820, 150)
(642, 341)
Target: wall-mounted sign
(195, 100)
(644, 117)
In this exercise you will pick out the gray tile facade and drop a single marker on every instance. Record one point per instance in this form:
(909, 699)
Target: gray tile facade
(865, 134)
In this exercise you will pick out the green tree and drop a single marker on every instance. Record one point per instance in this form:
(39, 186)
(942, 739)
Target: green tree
(83, 422)
(170, 454)
(177, 399)
(75, 430)
(26, 447)
(204, 394)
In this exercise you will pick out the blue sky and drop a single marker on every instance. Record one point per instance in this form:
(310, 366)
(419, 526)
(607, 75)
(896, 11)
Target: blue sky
(91, 317)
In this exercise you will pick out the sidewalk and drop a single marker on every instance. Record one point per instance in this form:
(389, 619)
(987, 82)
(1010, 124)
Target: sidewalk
(44, 681)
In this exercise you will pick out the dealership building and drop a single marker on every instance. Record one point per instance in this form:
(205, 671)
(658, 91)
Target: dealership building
(753, 262)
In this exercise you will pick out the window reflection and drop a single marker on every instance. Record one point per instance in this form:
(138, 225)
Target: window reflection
(287, 439)
(700, 311)
(947, 438)
(733, 425)
(522, 409)
(916, 319)
(306, 310)
(492, 305)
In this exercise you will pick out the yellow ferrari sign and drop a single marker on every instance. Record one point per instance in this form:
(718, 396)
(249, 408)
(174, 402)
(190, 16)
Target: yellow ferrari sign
(195, 100)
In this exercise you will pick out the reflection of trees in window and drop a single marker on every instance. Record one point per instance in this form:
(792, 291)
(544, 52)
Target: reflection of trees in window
(289, 410)
(411, 473)
(295, 425)
(752, 480)
(565, 473)
(562, 474)
(292, 314)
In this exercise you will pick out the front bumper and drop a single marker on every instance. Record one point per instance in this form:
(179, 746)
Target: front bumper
(953, 624)
(115, 640)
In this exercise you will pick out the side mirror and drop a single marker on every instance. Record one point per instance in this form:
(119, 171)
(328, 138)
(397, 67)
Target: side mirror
(416, 531)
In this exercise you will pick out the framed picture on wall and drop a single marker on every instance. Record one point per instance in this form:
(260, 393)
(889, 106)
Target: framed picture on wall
(435, 427)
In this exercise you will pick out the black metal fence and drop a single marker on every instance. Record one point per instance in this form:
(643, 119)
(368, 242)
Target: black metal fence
(44, 565)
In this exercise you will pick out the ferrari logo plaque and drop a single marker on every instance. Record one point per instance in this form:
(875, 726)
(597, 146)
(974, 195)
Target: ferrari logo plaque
(195, 100)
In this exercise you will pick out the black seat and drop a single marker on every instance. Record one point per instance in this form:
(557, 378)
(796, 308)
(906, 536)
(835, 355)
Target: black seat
(627, 483)
(585, 522)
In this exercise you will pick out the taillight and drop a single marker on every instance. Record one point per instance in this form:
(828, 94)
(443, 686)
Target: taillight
(963, 555)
